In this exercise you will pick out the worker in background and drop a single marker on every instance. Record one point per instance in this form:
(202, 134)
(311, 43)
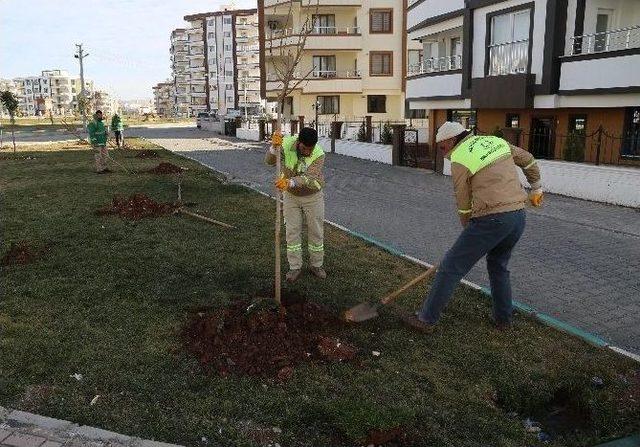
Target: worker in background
(491, 203)
(301, 182)
(98, 135)
(117, 126)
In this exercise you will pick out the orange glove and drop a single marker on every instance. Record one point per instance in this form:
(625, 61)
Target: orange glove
(536, 198)
(282, 184)
(276, 139)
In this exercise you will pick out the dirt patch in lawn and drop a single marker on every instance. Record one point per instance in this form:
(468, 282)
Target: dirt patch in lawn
(166, 168)
(20, 253)
(35, 396)
(135, 207)
(147, 153)
(256, 338)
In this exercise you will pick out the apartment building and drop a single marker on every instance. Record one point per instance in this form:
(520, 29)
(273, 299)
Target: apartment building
(103, 101)
(547, 74)
(163, 98)
(181, 74)
(353, 62)
(223, 61)
(53, 90)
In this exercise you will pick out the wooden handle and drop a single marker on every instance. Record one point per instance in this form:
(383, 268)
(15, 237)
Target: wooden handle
(393, 295)
(207, 219)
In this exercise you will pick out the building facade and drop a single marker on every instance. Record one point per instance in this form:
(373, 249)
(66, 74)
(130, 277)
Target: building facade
(223, 62)
(181, 74)
(163, 99)
(354, 58)
(53, 91)
(558, 77)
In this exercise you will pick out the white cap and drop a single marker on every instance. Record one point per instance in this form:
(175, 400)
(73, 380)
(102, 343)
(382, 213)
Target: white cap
(450, 129)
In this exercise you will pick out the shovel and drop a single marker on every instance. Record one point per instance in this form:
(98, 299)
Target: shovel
(367, 311)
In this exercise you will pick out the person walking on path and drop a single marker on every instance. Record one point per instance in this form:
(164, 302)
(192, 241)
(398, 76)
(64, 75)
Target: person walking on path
(98, 135)
(117, 126)
(302, 184)
(491, 203)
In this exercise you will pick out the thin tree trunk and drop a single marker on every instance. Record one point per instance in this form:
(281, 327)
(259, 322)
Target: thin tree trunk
(278, 271)
(13, 136)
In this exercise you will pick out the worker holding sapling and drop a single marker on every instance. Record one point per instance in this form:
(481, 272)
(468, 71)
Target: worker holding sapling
(491, 202)
(301, 182)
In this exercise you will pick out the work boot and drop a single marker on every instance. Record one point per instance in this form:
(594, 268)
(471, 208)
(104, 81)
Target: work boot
(318, 272)
(292, 275)
(416, 324)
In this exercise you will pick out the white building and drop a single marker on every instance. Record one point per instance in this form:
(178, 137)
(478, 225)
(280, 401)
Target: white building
(224, 61)
(54, 87)
(181, 75)
(536, 70)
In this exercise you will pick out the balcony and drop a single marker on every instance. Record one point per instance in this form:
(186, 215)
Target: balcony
(246, 25)
(329, 81)
(315, 3)
(321, 37)
(247, 49)
(436, 65)
(612, 40)
(509, 58)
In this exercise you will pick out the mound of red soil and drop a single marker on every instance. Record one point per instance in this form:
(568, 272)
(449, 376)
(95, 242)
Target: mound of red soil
(166, 168)
(259, 340)
(19, 254)
(148, 153)
(136, 207)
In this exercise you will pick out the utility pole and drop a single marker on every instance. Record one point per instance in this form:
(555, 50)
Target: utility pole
(80, 55)
(245, 98)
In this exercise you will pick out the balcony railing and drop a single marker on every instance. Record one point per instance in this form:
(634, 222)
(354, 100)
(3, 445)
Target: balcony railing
(613, 40)
(509, 58)
(331, 30)
(321, 74)
(436, 65)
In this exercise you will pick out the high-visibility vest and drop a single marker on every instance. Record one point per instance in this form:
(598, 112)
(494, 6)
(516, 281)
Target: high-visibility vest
(291, 160)
(476, 153)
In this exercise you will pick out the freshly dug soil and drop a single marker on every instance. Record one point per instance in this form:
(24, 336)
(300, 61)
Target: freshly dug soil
(148, 153)
(166, 168)
(19, 254)
(136, 207)
(257, 339)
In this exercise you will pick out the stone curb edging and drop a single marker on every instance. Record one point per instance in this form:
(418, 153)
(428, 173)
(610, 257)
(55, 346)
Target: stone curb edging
(61, 429)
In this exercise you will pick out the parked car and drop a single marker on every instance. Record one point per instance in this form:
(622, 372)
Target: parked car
(202, 116)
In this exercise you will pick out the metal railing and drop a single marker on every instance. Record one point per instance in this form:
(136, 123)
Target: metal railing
(330, 30)
(612, 40)
(509, 58)
(436, 65)
(320, 74)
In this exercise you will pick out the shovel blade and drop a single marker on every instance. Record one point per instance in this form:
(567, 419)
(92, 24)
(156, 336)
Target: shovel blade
(361, 312)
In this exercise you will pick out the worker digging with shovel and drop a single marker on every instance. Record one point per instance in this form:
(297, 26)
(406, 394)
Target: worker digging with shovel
(491, 204)
(301, 183)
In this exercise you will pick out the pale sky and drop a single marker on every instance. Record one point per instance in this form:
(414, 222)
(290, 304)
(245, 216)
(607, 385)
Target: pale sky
(127, 40)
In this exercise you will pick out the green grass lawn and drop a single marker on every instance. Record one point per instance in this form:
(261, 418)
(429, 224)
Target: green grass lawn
(108, 297)
(34, 124)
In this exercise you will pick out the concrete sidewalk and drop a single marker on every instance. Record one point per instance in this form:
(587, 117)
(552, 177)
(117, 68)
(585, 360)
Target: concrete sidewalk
(578, 261)
(21, 429)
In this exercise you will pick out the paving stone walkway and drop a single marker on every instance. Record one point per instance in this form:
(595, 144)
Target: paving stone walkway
(578, 261)
(21, 429)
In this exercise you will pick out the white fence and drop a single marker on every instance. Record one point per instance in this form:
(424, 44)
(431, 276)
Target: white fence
(248, 134)
(367, 151)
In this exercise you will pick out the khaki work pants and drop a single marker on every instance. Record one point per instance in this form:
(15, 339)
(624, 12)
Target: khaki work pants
(312, 207)
(101, 157)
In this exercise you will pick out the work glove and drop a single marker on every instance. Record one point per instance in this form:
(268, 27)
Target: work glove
(276, 139)
(284, 184)
(536, 197)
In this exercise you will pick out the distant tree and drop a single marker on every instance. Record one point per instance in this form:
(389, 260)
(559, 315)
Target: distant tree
(10, 102)
(574, 146)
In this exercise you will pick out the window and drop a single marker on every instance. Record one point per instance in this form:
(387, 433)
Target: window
(226, 20)
(603, 19)
(631, 141)
(328, 105)
(381, 21)
(513, 120)
(415, 58)
(273, 25)
(211, 35)
(324, 66)
(376, 104)
(324, 23)
(211, 22)
(228, 73)
(227, 34)
(381, 63)
(509, 43)
(227, 47)
(417, 114)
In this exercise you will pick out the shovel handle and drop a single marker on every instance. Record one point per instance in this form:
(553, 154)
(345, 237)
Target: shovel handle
(393, 295)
